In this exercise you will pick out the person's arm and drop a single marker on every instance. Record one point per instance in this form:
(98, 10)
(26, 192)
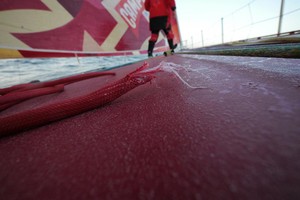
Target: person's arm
(172, 5)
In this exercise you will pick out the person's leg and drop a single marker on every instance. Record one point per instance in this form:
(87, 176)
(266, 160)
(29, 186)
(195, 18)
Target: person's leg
(156, 24)
(170, 36)
(152, 41)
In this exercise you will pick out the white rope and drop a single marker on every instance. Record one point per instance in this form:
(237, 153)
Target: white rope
(77, 59)
(186, 83)
(171, 67)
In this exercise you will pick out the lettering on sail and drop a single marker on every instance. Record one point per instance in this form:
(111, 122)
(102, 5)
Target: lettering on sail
(131, 11)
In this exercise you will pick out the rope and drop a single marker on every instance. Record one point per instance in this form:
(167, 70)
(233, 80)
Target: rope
(171, 67)
(56, 111)
(18, 93)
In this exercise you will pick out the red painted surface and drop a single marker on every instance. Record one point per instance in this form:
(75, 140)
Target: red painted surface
(92, 25)
(137, 36)
(239, 139)
(20, 4)
(73, 7)
(70, 36)
(37, 54)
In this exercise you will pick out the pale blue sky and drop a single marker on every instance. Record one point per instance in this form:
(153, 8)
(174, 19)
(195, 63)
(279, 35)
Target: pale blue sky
(205, 15)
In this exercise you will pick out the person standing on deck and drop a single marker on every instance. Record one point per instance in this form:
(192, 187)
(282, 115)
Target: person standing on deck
(160, 14)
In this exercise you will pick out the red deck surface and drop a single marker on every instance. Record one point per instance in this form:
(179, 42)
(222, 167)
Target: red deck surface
(239, 139)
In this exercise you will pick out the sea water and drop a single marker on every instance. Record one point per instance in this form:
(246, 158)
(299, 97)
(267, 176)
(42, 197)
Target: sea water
(17, 71)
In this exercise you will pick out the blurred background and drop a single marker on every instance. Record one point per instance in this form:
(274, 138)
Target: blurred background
(207, 23)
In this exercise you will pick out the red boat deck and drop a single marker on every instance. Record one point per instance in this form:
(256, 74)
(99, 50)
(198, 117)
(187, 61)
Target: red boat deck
(238, 139)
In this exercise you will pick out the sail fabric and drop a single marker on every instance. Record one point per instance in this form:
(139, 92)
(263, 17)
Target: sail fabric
(49, 28)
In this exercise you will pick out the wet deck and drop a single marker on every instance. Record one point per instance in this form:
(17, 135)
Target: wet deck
(237, 139)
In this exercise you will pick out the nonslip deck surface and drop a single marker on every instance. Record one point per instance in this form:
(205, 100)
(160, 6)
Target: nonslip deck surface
(237, 139)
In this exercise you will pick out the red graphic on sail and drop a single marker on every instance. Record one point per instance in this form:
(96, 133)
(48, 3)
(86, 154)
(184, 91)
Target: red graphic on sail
(35, 28)
(70, 37)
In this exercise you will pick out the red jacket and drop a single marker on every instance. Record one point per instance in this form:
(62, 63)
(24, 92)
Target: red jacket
(158, 8)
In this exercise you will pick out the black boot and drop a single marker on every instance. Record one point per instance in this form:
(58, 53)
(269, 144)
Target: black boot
(171, 45)
(150, 48)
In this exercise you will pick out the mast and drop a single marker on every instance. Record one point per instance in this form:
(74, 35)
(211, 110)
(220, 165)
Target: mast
(280, 18)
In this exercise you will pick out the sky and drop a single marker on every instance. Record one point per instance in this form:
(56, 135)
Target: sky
(242, 19)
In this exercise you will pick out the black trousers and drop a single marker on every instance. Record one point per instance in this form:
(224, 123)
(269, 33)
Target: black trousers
(160, 23)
